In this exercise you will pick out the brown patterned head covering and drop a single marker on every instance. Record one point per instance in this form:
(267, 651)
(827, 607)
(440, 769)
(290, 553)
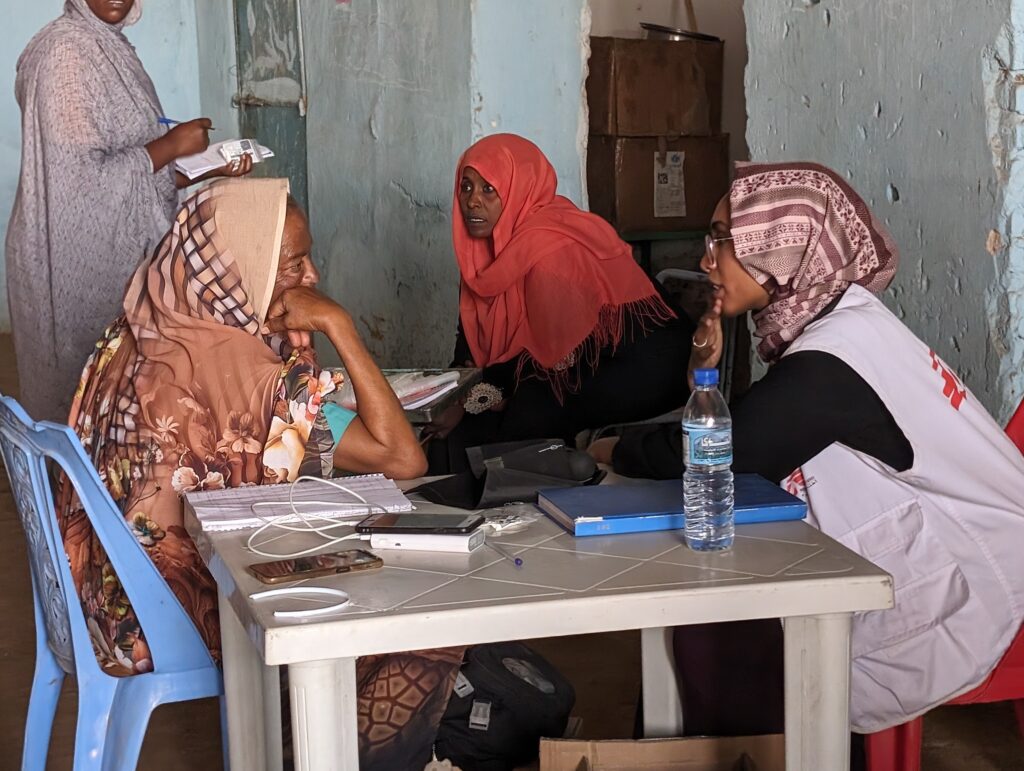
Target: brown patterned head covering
(183, 394)
(804, 235)
(195, 311)
(180, 395)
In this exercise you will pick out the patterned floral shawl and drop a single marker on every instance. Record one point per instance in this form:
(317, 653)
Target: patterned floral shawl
(183, 393)
(805, 235)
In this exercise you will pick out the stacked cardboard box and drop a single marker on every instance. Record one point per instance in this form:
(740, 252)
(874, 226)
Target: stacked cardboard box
(763, 753)
(657, 160)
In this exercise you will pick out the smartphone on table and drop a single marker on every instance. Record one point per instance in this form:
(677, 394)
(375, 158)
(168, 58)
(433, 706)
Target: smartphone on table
(425, 523)
(314, 566)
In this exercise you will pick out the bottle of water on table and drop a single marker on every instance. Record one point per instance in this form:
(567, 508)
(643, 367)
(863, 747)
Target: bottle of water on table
(707, 453)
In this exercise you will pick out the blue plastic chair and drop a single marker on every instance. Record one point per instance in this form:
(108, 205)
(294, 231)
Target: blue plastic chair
(113, 712)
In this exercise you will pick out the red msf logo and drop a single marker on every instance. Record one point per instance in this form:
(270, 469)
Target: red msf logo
(952, 388)
(795, 484)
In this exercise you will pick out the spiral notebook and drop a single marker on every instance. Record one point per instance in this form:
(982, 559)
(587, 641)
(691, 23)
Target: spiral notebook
(232, 508)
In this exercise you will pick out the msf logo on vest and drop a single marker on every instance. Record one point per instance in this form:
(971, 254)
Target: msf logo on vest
(952, 388)
(797, 484)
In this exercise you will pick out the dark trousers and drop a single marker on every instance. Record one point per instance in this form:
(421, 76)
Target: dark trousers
(731, 681)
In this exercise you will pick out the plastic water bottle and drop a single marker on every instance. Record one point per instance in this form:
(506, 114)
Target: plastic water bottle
(707, 453)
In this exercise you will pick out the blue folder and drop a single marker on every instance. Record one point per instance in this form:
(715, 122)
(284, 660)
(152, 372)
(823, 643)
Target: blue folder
(639, 508)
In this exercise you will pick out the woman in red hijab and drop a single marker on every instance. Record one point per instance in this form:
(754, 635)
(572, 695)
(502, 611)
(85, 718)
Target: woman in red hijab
(553, 307)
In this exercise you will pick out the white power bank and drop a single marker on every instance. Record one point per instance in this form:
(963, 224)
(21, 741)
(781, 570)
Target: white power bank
(456, 542)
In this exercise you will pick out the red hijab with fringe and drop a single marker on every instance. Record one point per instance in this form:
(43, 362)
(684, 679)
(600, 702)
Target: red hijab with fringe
(552, 283)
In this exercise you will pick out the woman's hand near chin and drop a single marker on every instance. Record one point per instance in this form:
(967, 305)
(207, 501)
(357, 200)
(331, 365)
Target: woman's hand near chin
(706, 351)
(379, 439)
(302, 310)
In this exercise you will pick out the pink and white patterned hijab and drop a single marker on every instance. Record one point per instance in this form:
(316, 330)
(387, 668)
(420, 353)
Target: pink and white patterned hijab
(804, 235)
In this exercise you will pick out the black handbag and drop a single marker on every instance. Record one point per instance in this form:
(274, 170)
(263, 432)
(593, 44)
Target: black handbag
(512, 472)
(507, 697)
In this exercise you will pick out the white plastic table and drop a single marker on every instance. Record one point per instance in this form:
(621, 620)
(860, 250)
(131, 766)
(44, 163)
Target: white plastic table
(566, 586)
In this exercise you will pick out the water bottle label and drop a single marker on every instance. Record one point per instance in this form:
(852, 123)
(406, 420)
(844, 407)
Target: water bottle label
(707, 446)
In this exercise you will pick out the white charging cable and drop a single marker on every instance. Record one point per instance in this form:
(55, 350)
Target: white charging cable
(306, 520)
(342, 600)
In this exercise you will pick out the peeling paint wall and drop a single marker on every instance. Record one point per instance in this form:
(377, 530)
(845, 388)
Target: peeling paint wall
(166, 42)
(271, 87)
(915, 104)
(528, 75)
(1003, 75)
(388, 117)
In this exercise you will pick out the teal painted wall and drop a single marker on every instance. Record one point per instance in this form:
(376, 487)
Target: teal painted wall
(388, 88)
(528, 74)
(396, 92)
(917, 105)
(218, 82)
(166, 42)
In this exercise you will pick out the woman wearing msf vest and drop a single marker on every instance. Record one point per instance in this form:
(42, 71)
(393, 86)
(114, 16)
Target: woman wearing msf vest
(895, 457)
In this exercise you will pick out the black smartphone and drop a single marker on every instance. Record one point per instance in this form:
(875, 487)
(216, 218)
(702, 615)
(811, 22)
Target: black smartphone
(425, 523)
(314, 565)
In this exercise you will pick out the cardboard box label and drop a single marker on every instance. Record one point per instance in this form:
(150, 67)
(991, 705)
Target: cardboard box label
(669, 184)
(622, 181)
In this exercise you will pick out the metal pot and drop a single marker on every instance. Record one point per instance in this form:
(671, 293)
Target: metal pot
(661, 32)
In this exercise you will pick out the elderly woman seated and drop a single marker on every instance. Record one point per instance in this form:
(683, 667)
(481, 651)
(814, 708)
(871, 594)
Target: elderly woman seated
(208, 381)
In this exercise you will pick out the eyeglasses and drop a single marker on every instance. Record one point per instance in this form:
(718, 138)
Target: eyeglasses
(711, 247)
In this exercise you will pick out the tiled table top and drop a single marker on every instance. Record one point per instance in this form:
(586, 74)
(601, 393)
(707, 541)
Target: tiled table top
(566, 585)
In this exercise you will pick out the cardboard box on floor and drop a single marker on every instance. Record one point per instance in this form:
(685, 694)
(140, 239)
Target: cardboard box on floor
(657, 183)
(655, 87)
(766, 752)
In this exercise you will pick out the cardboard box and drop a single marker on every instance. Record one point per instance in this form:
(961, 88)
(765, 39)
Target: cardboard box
(657, 184)
(655, 87)
(766, 752)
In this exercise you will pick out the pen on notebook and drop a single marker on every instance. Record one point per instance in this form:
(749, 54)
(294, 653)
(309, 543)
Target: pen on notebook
(171, 122)
(517, 561)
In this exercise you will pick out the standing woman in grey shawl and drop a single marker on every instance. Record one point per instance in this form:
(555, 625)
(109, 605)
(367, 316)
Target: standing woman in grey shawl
(96, 193)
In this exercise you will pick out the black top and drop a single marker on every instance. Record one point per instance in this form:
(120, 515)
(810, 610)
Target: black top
(501, 375)
(641, 378)
(506, 375)
(805, 402)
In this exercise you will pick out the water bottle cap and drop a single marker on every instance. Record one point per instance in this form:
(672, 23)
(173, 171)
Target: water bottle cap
(705, 377)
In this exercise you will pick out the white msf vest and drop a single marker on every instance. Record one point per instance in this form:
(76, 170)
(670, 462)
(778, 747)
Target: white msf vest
(950, 530)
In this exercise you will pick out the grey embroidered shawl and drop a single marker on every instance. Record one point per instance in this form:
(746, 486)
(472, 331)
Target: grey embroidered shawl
(88, 205)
